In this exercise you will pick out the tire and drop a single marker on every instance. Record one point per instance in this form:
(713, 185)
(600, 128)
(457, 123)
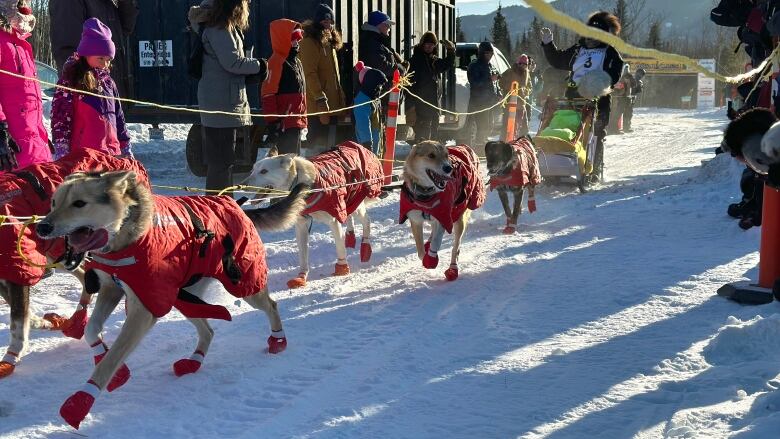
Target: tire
(194, 151)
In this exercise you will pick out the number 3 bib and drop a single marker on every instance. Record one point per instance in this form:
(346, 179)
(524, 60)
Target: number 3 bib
(588, 60)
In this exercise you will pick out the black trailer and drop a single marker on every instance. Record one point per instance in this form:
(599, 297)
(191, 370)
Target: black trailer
(160, 47)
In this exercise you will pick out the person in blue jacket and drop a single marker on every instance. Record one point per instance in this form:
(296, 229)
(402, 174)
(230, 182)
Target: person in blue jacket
(368, 118)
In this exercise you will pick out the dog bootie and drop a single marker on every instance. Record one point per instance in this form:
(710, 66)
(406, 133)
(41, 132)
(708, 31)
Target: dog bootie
(365, 250)
(341, 269)
(8, 364)
(277, 342)
(349, 239)
(531, 204)
(186, 366)
(510, 228)
(451, 273)
(431, 258)
(122, 374)
(77, 407)
(297, 282)
(58, 323)
(77, 323)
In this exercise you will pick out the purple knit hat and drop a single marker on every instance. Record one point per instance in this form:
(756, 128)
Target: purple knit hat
(96, 39)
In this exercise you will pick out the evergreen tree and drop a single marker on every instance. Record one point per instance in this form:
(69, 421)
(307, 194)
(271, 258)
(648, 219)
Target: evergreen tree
(500, 33)
(460, 37)
(654, 36)
(622, 13)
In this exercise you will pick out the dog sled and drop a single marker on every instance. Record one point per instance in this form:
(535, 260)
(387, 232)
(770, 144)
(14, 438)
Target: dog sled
(566, 142)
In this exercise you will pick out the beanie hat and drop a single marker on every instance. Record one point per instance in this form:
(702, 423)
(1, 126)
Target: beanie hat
(378, 17)
(96, 39)
(485, 46)
(429, 37)
(297, 35)
(324, 12)
(361, 69)
(605, 21)
(522, 59)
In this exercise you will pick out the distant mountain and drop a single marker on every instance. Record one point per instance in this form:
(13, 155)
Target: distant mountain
(681, 18)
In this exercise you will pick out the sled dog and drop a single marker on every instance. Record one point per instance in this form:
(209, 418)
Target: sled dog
(512, 167)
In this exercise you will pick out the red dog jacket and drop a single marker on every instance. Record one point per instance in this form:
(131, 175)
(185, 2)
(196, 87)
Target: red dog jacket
(526, 169)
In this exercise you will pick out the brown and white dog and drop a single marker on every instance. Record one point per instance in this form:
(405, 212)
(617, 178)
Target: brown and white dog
(513, 167)
(343, 180)
(150, 249)
(441, 185)
(25, 193)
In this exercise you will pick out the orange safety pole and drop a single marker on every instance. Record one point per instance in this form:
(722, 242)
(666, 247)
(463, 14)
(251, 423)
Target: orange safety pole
(512, 116)
(769, 262)
(392, 122)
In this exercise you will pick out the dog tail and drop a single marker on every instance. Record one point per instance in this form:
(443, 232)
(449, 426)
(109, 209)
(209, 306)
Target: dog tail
(281, 215)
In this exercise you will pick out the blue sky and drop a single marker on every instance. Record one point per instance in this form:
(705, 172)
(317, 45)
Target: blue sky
(468, 7)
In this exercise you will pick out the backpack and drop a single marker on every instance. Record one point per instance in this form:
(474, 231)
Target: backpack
(195, 60)
(730, 13)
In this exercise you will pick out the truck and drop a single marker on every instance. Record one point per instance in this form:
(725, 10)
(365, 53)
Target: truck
(162, 43)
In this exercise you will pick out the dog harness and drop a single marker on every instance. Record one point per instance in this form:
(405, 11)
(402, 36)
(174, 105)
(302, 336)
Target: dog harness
(465, 190)
(27, 192)
(190, 238)
(525, 171)
(338, 170)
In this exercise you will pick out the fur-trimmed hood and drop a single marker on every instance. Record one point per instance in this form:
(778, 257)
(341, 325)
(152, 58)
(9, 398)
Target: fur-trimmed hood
(200, 14)
(12, 19)
(312, 30)
(753, 122)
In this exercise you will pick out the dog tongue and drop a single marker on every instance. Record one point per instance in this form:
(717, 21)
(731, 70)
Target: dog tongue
(25, 10)
(85, 240)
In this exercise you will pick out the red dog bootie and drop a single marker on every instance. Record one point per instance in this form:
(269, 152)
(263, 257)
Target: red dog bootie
(531, 203)
(451, 273)
(58, 323)
(78, 405)
(349, 239)
(431, 258)
(297, 282)
(510, 228)
(365, 250)
(122, 374)
(186, 366)
(277, 342)
(341, 270)
(8, 364)
(77, 322)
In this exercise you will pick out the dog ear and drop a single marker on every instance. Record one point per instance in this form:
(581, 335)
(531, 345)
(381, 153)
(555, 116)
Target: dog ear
(273, 152)
(287, 160)
(118, 181)
(75, 176)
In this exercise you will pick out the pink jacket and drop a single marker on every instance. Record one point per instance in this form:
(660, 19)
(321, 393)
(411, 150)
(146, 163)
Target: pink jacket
(20, 100)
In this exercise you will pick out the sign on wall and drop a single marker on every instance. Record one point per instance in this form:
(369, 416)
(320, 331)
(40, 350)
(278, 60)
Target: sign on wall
(706, 96)
(156, 53)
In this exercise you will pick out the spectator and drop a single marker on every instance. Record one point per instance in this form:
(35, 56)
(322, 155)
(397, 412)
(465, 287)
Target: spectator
(520, 73)
(285, 89)
(67, 16)
(636, 88)
(323, 80)
(368, 118)
(485, 91)
(23, 138)
(620, 99)
(374, 47)
(427, 68)
(83, 121)
(585, 56)
(223, 83)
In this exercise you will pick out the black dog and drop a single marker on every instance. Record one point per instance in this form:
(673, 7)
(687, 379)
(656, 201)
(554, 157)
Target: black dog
(512, 167)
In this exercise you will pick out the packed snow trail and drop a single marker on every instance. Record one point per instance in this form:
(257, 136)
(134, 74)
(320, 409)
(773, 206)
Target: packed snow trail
(598, 319)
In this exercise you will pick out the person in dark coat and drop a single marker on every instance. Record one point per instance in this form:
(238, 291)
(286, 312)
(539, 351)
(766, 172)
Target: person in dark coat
(583, 57)
(67, 16)
(485, 91)
(427, 69)
(374, 48)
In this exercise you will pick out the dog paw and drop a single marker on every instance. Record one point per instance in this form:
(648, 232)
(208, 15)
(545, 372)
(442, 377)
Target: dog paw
(276, 345)
(297, 282)
(349, 239)
(6, 369)
(119, 379)
(341, 270)
(531, 205)
(76, 325)
(451, 273)
(185, 366)
(430, 261)
(57, 322)
(510, 230)
(77, 407)
(365, 251)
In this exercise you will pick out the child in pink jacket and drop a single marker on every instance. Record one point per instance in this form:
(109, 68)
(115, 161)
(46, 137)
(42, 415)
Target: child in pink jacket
(84, 121)
(23, 138)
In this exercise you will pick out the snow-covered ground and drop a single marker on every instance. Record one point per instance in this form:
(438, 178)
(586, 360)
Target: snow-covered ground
(598, 320)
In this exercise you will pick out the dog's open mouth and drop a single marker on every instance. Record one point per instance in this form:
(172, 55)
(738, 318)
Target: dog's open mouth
(85, 239)
(440, 181)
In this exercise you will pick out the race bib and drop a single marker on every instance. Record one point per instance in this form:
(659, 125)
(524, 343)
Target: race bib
(588, 60)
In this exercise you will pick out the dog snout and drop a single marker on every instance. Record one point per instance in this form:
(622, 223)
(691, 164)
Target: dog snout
(44, 229)
(447, 169)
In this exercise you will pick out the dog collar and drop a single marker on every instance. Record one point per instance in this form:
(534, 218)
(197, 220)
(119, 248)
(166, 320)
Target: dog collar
(421, 193)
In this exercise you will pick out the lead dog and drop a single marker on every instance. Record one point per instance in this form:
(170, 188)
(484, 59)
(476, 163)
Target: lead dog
(441, 185)
(25, 193)
(150, 248)
(343, 180)
(512, 167)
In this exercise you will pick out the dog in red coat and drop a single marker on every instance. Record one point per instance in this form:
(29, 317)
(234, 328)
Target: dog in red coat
(442, 185)
(513, 167)
(343, 181)
(25, 193)
(149, 249)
